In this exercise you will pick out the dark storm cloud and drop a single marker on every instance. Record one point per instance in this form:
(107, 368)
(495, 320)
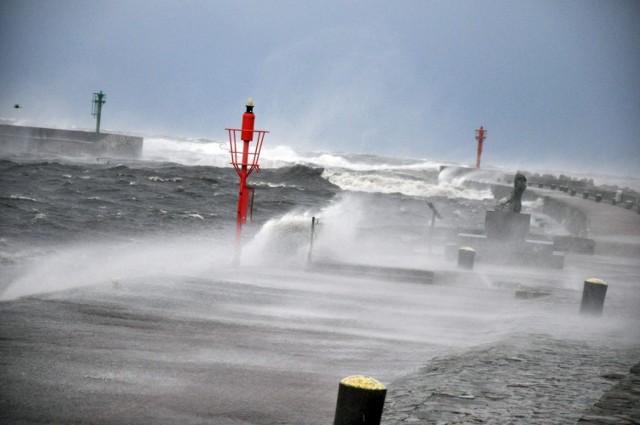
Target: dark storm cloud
(554, 82)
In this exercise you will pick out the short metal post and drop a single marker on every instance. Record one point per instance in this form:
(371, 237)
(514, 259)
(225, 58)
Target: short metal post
(313, 234)
(360, 401)
(434, 214)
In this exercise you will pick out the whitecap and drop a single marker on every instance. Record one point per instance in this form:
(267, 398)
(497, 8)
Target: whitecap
(39, 217)
(194, 215)
(22, 198)
(394, 183)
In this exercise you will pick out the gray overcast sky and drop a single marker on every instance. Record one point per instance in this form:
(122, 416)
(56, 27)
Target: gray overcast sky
(556, 83)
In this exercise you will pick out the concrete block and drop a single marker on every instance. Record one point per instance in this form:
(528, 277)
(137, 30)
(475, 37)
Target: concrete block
(507, 225)
(574, 244)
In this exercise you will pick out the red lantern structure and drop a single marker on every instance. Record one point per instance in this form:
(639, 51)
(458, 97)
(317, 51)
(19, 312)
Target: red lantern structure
(481, 133)
(244, 159)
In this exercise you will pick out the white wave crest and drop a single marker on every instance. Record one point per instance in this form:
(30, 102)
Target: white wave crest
(216, 153)
(394, 183)
(187, 152)
(22, 198)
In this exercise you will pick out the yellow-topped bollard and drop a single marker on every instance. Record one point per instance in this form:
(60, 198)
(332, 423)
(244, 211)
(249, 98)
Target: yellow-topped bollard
(466, 257)
(593, 296)
(360, 401)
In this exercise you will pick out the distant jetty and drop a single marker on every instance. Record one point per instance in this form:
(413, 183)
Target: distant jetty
(39, 140)
(500, 182)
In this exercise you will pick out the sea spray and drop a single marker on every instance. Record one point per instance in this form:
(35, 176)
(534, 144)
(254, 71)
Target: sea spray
(285, 240)
(84, 264)
(280, 241)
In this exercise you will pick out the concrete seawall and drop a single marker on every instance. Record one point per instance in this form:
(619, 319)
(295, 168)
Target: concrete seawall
(38, 140)
(573, 218)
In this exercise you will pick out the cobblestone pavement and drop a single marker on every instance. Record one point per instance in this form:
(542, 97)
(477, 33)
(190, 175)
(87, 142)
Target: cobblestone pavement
(521, 381)
(537, 378)
(620, 405)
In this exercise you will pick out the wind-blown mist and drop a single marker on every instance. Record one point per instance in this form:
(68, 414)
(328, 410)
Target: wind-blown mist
(124, 277)
(104, 263)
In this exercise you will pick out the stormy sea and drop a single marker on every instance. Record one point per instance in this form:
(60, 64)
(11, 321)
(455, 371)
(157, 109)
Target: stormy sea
(120, 301)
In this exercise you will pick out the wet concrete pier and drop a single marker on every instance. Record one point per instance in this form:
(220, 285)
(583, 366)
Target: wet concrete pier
(539, 379)
(269, 346)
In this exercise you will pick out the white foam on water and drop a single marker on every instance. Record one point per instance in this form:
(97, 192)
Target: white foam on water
(360, 173)
(396, 183)
(216, 153)
(186, 152)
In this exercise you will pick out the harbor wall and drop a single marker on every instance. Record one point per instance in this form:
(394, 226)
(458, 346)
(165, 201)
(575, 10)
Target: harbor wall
(40, 140)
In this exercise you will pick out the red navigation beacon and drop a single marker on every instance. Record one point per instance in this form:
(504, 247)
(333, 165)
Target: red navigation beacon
(244, 159)
(481, 133)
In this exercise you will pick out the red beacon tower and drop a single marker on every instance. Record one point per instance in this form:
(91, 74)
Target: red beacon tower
(481, 133)
(244, 159)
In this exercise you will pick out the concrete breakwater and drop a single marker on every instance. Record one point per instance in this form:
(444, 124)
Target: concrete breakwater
(573, 219)
(546, 377)
(501, 183)
(40, 140)
(607, 234)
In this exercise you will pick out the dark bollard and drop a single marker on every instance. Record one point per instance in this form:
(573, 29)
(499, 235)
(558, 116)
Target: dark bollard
(593, 296)
(540, 185)
(360, 401)
(553, 186)
(466, 257)
(585, 194)
(572, 192)
(598, 197)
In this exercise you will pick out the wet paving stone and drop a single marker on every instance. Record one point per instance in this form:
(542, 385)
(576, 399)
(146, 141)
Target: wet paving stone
(522, 381)
(620, 405)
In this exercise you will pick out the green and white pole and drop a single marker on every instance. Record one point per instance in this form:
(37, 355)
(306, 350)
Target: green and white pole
(99, 99)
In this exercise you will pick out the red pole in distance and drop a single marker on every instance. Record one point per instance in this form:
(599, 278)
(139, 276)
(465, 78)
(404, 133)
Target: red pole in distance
(480, 135)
